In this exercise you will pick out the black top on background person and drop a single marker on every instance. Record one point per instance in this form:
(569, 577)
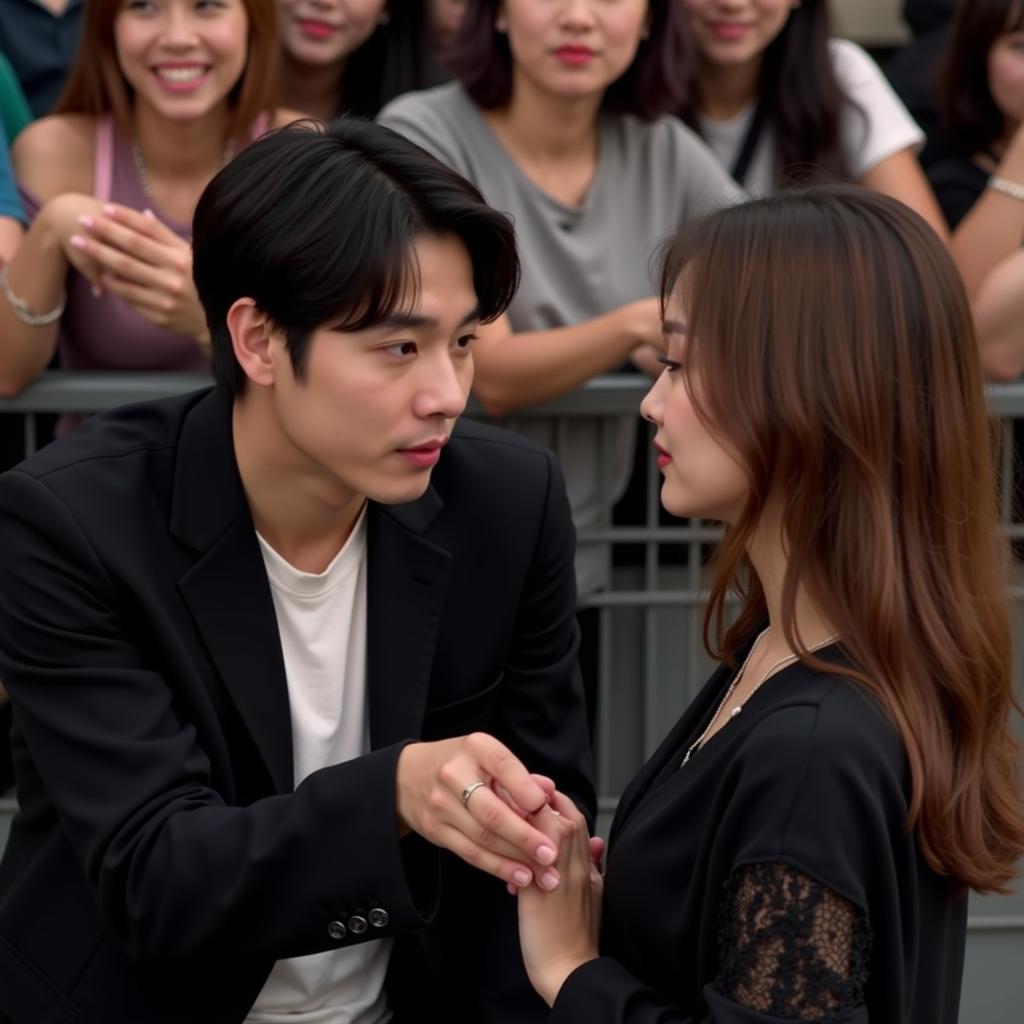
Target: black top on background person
(161, 864)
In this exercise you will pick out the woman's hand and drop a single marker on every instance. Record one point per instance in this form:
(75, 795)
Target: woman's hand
(145, 263)
(558, 930)
(61, 220)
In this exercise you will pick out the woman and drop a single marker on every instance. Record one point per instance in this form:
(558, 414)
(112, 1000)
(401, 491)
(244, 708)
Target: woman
(777, 99)
(162, 94)
(821, 396)
(352, 56)
(559, 116)
(981, 187)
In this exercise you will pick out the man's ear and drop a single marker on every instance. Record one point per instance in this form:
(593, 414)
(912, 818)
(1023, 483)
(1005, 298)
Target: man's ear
(253, 338)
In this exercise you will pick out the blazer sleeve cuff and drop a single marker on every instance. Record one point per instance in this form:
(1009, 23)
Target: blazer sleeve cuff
(391, 883)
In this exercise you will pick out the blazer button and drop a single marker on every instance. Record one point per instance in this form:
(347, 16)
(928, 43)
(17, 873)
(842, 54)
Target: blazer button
(357, 924)
(336, 930)
(378, 918)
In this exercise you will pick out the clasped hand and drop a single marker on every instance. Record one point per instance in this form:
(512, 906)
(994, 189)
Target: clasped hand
(492, 830)
(518, 828)
(136, 257)
(558, 931)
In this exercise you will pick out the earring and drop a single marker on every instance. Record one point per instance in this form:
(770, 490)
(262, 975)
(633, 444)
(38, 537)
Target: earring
(500, 24)
(384, 19)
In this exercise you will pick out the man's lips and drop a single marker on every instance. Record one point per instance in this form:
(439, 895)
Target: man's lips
(426, 454)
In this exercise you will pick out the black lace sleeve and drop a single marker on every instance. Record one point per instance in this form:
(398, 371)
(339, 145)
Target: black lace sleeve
(790, 947)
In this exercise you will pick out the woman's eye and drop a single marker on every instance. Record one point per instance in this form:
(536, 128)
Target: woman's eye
(669, 364)
(402, 348)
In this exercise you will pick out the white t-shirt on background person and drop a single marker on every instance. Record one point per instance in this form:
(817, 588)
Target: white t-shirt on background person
(874, 124)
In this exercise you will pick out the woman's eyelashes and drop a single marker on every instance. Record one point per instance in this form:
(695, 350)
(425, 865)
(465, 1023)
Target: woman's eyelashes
(669, 364)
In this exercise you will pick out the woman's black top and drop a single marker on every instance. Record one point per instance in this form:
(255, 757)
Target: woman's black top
(958, 183)
(771, 878)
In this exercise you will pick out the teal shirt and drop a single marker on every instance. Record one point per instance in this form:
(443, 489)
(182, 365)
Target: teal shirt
(14, 109)
(10, 203)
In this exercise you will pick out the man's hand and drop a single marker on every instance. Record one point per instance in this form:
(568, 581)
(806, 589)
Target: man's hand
(490, 832)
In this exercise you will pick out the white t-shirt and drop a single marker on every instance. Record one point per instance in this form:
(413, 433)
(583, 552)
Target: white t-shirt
(873, 125)
(321, 619)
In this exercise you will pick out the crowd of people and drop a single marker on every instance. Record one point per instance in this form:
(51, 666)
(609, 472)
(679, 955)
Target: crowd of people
(293, 661)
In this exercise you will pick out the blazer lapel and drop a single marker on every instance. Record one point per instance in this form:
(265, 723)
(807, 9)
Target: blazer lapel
(226, 590)
(406, 581)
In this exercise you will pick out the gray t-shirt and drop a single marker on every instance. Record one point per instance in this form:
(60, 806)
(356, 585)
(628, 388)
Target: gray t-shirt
(578, 262)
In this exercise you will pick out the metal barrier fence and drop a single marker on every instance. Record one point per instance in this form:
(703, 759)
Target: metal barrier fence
(651, 661)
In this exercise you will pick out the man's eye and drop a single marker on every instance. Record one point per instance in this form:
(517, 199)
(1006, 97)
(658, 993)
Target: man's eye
(402, 348)
(465, 341)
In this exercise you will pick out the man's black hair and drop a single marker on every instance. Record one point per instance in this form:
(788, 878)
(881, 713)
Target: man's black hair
(316, 225)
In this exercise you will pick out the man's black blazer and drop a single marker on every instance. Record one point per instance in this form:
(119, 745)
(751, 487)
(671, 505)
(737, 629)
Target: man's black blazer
(160, 861)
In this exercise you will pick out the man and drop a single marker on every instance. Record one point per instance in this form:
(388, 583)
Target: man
(224, 617)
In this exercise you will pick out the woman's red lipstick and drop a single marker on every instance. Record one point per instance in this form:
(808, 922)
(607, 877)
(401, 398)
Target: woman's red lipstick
(663, 456)
(574, 55)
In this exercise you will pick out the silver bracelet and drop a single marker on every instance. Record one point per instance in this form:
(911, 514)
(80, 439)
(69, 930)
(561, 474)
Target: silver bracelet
(1007, 187)
(20, 306)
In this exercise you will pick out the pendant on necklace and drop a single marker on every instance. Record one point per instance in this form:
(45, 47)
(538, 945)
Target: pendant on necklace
(735, 711)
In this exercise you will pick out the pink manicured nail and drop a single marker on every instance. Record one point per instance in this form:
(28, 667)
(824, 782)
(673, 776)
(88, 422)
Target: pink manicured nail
(78, 241)
(149, 213)
(549, 881)
(110, 209)
(522, 877)
(85, 220)
(546, 855)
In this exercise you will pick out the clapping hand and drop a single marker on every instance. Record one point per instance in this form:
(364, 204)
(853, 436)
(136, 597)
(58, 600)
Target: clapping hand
(145, 263)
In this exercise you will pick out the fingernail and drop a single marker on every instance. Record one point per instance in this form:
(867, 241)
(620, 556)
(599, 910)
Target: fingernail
(522, 877)
(96, 291)
(149, 213)
(549, 880)
(78, 241)
(110, 209)
(85, 220)
(546, 854)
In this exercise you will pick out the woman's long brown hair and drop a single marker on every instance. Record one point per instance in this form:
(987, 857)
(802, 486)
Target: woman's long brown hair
(833, 342)
(96, 85)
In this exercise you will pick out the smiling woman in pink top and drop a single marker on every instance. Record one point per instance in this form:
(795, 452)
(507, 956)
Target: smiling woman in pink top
(162, 94)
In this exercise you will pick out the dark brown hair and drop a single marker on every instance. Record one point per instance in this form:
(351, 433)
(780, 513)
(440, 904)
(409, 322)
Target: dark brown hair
(96, 85)
(968, 109)
(803, 100)
(654, 84)
(832, 338)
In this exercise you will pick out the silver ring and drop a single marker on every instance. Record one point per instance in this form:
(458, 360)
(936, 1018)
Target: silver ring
(470, 790)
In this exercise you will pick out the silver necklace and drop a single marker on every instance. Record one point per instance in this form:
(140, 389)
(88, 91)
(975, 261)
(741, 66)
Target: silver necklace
(757, 686)
(140, 164)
